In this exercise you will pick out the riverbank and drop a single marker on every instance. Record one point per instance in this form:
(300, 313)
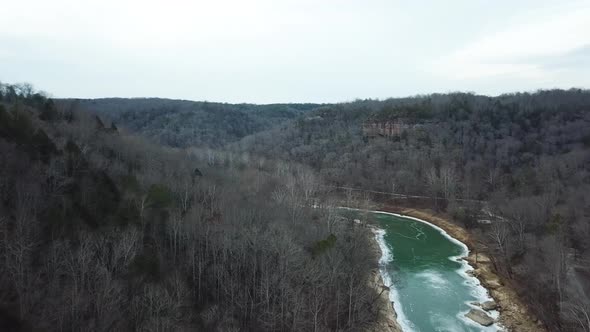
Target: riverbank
(386, 315)
(514, 315)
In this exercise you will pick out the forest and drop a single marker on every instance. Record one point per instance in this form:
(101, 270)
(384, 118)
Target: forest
(104, 231)
(522, 159)
(183, 123)
(174, 214)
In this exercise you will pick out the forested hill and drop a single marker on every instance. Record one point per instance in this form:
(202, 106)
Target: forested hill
(526, 155)
(102, 231)
(476, 136)
(225, 237)
(182, 123)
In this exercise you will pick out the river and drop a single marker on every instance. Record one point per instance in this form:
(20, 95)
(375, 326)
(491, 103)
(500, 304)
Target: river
(429, 285)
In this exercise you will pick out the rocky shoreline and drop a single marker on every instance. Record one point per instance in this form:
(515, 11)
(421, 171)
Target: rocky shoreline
(386, 315)
(514, 314)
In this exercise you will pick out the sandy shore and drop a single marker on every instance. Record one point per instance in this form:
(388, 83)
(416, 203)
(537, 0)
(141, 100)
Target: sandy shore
(514, 315)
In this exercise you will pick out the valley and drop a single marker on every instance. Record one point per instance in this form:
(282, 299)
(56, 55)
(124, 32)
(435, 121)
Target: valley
(162, 212)
(295, 166)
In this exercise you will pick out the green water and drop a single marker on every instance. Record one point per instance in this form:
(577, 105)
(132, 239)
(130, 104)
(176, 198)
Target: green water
(430, 290)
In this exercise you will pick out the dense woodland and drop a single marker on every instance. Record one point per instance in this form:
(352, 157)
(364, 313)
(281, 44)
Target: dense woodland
(102, 231)
(183, 123)
(524, 158)
(216, 231)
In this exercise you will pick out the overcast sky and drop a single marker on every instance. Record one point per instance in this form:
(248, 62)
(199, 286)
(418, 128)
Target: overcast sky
(293, 50)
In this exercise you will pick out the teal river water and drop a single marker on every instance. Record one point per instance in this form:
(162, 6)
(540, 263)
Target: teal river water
(430, 289)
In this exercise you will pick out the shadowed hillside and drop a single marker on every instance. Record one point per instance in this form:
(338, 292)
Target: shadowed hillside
(513, 170)
(102, 231)
(182, 123)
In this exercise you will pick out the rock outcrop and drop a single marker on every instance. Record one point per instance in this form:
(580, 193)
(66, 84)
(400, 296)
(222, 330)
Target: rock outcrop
(489, 305)
(480, 317)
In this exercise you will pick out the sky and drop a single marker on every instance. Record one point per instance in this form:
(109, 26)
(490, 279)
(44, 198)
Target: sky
(268, 51)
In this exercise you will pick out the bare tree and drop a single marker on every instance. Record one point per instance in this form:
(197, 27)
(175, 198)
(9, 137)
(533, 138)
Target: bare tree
(448, 181)
(580, 313)
(21, 239)
(499, 234)
(309, 184)
(492, 178)
(433, 183)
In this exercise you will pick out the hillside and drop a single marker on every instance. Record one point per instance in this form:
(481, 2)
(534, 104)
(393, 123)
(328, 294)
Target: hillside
(473, 135)
(514, 170)
(103, 231)
(524, 157)
(182, 123)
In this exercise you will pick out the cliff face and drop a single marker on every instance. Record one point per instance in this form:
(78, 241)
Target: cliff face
(392, 128)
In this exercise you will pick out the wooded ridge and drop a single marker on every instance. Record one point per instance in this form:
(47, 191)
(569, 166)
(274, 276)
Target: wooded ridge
(102, 230)
(215, 228)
